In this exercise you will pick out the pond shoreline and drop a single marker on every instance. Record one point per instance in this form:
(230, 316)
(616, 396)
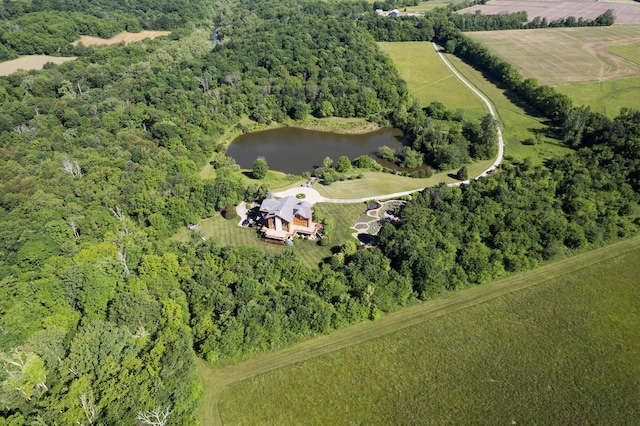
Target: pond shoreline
(299, 149)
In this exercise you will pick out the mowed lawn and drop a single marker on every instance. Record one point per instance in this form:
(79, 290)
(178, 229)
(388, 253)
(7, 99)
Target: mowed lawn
(428, 78)
(517, 125)
(563, 351)
(227, 232)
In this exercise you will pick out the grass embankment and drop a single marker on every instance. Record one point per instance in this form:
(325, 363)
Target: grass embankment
(599, 67)
(563, 349)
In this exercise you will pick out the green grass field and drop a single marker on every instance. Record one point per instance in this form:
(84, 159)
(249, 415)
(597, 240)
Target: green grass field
(428, 78)
(516, 124)
(607, 97)
(227, 232)
(377, 183)
(630, 52)
(562, 349)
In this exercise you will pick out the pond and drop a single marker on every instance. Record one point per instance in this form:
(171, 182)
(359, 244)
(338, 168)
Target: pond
(294, 150)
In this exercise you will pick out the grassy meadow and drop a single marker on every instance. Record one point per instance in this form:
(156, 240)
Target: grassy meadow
(563, 349)
(517, 124)
(429, 79)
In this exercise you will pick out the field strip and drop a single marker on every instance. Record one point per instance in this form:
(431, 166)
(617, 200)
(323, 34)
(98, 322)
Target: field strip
(431, 83)
(489, 106)
(215, 380)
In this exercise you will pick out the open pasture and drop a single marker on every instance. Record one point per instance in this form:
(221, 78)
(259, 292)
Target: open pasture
(562, 351)
(30, 62)
(124, 36)
(429, 80)
(560, 56)
(606, 97)
(626, 13)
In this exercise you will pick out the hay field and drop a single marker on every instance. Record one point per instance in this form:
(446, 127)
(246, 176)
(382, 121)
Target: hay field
(429, 79)
(125, 37)
(30, 62)
(562, 351)
(626, 13)
(606, 97)
(560, 56)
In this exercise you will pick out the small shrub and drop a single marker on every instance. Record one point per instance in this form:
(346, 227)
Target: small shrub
(229, 213)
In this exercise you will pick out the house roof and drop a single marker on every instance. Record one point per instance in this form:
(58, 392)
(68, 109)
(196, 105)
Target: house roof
(286, 208)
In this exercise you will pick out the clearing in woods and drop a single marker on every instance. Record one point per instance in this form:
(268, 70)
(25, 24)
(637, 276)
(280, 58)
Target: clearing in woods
(30, 62)
(125, 37)
(537, 347)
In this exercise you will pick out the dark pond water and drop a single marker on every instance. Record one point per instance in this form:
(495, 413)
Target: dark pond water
(293, 150)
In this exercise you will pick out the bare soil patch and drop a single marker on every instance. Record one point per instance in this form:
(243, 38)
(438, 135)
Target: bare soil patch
(125, 37)
(560, 56)
(626, 13)
(30, 62)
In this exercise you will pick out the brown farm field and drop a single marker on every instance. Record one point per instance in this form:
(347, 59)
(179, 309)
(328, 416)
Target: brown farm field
(627, 13)
(561, 56)
(30, 62)
(125, 37)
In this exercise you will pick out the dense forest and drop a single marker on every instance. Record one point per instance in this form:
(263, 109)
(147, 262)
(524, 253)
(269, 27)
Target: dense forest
(102, 313)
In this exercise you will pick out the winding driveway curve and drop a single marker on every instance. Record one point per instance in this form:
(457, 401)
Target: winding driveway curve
(312, 196)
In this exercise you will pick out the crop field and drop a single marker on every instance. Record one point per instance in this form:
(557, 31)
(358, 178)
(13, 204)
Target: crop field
(429, 80)
(562, 349)
(124, 36)
(30, 62)
(561, 56)
(627, 13)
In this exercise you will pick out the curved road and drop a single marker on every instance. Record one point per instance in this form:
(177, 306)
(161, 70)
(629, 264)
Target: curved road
(313, 196)
(215, 380)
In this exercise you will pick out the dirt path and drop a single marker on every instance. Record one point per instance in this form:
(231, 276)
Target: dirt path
(484, 99)
(312, 196)
(216, 380)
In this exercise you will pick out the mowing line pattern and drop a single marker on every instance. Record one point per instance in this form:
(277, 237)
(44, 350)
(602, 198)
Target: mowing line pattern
(215, 380)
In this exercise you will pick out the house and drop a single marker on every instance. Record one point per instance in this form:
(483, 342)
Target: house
(286, 217)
